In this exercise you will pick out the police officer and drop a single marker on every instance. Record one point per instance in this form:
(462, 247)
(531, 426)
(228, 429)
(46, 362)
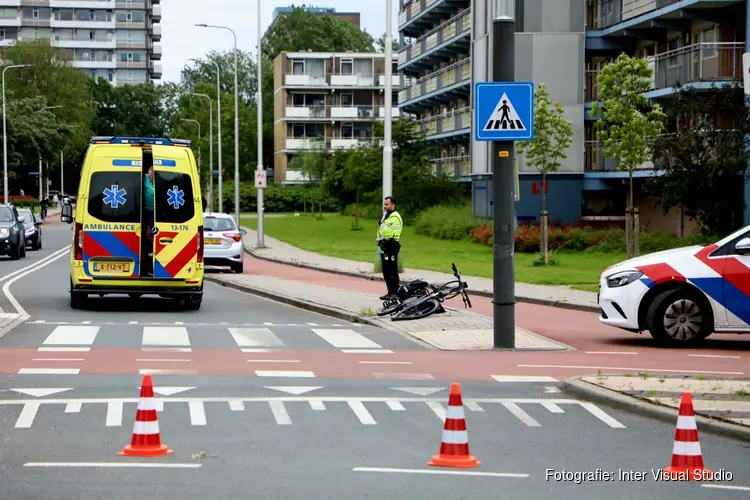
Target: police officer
(389, 234)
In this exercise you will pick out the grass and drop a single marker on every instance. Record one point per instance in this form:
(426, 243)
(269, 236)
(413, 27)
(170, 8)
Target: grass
(334, 237)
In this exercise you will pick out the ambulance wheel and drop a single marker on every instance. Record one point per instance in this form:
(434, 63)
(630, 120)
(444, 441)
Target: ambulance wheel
(78, 300)
(193, 302)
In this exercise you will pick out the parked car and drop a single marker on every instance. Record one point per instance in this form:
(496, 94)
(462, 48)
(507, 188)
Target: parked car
(32, 228)
(222, 241)
(12, 237)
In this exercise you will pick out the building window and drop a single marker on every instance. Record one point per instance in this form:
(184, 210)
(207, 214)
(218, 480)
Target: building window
(36, 33)
(347, 66)
(130, 36)
(298, 131)
(298, 67)
(347, 99)
(298, 99)
(35, 13)
(2, 34)
(709, 39)
(347, 130)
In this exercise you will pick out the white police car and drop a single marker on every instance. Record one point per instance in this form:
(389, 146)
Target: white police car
(681, 296)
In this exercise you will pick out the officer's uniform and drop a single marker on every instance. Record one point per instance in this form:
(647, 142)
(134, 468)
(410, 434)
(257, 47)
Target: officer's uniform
(389, 234)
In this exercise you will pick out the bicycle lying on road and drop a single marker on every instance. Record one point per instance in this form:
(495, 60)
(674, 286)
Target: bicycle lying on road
(419, 299)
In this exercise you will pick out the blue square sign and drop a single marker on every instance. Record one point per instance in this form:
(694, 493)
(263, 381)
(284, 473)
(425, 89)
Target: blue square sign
(504, 111)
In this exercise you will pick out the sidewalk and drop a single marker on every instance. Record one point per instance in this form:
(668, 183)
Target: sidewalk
(278, 251)
(720, 405)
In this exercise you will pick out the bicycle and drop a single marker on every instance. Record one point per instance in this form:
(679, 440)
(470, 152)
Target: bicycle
(421, 306)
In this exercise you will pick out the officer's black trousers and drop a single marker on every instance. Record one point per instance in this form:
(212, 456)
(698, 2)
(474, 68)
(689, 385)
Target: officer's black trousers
(389, 262)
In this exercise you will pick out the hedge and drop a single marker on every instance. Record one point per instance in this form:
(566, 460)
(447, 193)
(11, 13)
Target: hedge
(276, 198)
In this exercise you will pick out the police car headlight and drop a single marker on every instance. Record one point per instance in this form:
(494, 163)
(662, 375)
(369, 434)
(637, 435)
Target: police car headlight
(623, 278)
(30, 231)
(4, 231)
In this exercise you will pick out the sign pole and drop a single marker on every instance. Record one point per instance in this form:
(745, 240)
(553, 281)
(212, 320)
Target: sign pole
(503, 184)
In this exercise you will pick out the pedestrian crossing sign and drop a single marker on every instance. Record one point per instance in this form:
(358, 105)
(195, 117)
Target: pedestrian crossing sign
(504, 111)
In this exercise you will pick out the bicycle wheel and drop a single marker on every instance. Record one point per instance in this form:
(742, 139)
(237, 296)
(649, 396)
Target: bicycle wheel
(417, 311)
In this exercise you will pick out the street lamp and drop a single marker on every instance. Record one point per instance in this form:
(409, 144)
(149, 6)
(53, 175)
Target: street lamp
(5, 137)
(387, 148)
(41, 187)
(210, 144)
(199, 140)
(218, 119)
(259, 105)
(236, 124)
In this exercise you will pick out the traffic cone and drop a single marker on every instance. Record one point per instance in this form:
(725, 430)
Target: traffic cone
(146, 441)
(687, 460)
(454, 447)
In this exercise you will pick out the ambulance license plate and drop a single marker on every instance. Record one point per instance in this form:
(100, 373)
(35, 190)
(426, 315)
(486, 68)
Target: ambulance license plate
(112, 267)
(213, 241)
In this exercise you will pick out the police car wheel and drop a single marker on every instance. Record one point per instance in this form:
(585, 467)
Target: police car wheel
(679, 317)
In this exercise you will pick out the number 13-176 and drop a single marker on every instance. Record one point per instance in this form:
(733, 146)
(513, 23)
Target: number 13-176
(180, 227)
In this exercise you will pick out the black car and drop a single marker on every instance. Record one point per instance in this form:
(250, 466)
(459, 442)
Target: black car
(32, 228)
(12, 237)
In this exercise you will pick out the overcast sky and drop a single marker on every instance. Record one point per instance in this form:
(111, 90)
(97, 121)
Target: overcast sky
(181, 40)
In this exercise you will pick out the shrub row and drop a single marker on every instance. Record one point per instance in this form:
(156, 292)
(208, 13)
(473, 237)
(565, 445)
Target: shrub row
(276, 198)
(446, 222)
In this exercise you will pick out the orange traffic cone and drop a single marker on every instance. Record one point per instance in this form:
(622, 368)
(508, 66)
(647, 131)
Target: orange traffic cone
(687, 460)
(454, 447)
(146, 441)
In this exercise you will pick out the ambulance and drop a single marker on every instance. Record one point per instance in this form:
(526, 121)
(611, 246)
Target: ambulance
(116, 248)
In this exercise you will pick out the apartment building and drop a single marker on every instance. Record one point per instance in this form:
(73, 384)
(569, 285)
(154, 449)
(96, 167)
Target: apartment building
(689, 42)
(328, 101)
(114, 39)
(447, 47)
(350, 17)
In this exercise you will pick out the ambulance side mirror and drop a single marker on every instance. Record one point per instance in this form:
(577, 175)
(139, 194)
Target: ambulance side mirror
(67, 214)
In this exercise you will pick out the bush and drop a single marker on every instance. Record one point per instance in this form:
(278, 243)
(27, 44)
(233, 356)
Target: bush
(366, 211)
(447, 222)
(276, 198)
(527, 239)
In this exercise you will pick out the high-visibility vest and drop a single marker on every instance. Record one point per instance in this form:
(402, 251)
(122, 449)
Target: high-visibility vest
(390, 227)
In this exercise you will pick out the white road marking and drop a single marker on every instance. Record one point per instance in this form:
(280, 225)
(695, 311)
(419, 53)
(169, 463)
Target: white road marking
(313, 324)
(438, 472)
(114, 414)
(268, 324)
(521, 415)
(255, 351)
(197, 413)
(28, 413)
(395, 406)
(57, 359)
(113, 465)
(179, 323)
(279, 373)
(72, 335)
(419, 391)
(273, 361)
(361, 412)
(553, 408)
(132, 322)
(611, 352)
(237, 406)
(279, 413)
(522, 378)
(471, 405)
(437, 409)
(73, 407)
(713, 356)
(255, 337)
(551, 390)
(385, 362)
(726, 487)
(317, 405)
(26, 271)
(345, 339)
(64, 349)
(165, 335)
(405, 376)
(87, 322)
(366, 351)
(631, 368)
(49, 371)
(166, 349)
(295, 390)
(598, 413)
(170, 391)
(162, 360)
(155, 371)
(38, 392)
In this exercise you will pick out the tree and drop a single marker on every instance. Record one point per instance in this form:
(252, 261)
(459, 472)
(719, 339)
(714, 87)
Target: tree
(313, 164)
(704, 160)
(552, 136)
(128, 110)
(628, 124)
(204, 70)
(358, 172)
(380, 44)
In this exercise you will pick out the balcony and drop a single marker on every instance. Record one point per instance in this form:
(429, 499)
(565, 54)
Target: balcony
(305, 80)
(395, 112)
(395, 80)
(156, 70)
(95, 64)
(156, 32)
(353, 112)
(85, 44)
(10, 3)
(131, 64)
(135, 5)
(450, 38)
(8, 42)
(447, 128)
(130, 45)
(595, 161)
(420, 15)
(7, 22)
(443, 86)
(35, 3)
(317, 113)
(131, 25)
(156, 13)
(82, 4)
(40, 22)
(456, 166)
(338, 80)
(156, 52)
(303, 143)
(90, 25)
(352, 142)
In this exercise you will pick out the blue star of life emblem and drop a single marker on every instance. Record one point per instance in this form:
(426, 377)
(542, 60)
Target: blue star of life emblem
(176, 197)
(114, 196)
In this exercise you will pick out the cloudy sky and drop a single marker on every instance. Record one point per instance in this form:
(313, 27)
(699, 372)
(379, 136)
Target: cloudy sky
(181, 40)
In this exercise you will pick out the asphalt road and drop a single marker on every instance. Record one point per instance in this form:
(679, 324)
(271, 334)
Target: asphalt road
(278, 431)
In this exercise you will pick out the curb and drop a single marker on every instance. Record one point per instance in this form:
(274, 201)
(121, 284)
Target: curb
(478, 293)
(588, 391)
(7, 328)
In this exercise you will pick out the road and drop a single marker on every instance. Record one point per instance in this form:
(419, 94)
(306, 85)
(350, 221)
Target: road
(264, 400)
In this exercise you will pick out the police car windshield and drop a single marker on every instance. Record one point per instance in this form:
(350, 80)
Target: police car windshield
(5, 215)
(218, 224)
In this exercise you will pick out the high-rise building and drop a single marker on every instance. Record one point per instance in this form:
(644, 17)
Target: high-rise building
(327, 101)
(114, 39)
(350, 17)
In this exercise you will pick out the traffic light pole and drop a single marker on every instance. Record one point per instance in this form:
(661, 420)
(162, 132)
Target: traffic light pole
(503, 183)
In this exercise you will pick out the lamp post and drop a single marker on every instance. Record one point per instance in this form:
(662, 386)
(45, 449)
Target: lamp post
(210, 144)
(5, 137)
(260, 243)
(387, 147)
(218, 126)
(199, 140)
(236, 124)
(41, 180)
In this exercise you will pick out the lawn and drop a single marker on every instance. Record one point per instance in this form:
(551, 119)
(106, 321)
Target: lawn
(333, 236)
